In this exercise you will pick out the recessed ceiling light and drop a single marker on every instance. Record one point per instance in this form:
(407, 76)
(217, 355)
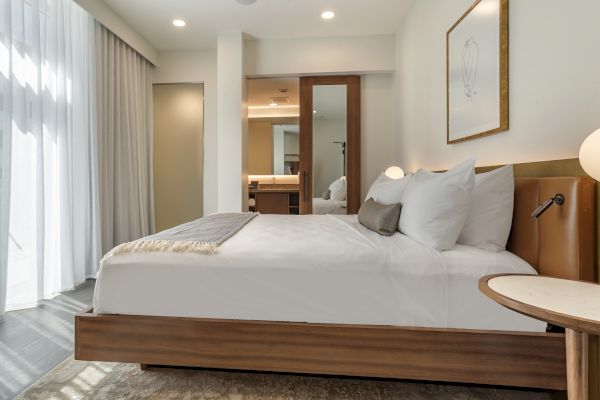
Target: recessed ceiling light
(314, 111)
(327, 14)
(179, 23)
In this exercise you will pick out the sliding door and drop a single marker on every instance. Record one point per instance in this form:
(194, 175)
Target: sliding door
(330, 145)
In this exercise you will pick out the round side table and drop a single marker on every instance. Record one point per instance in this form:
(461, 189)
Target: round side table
(574, 305)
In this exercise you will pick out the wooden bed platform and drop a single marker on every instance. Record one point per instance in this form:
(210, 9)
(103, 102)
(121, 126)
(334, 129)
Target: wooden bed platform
(561, 244)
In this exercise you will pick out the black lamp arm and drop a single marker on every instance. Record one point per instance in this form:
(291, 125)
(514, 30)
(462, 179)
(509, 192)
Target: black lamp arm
(558, 199)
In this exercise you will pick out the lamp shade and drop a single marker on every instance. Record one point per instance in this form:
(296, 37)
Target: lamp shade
(589, 155)
(394, 172)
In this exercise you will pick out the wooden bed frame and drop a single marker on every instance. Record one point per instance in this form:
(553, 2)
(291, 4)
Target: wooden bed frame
(560, 243)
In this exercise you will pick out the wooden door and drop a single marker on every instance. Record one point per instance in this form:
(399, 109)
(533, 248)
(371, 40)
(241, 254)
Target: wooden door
(351, 145)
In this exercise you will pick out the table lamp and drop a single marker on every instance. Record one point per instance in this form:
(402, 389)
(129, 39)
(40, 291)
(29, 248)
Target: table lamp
(589, 155)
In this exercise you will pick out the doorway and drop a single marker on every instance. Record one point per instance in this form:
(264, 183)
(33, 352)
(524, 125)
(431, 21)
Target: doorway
(178, 153)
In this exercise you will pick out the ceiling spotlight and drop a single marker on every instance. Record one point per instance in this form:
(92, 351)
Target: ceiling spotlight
(327, 14)
(314, 111)
(179, 23)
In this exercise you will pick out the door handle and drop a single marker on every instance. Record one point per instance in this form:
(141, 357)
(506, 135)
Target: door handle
(305, 185)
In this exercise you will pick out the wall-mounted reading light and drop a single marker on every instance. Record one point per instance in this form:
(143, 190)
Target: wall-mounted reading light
(558, 199)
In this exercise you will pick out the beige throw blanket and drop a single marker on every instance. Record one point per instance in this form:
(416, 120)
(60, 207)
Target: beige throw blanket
(202, 236)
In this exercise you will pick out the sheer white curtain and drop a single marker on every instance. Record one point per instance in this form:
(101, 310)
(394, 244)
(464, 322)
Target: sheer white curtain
(49, 197)
(124, 97)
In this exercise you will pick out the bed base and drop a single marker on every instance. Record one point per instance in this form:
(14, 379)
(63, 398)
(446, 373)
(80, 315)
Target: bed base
(534, 360)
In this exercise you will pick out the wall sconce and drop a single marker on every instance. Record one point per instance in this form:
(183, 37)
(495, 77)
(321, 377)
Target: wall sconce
(558, 199)
(394, 172)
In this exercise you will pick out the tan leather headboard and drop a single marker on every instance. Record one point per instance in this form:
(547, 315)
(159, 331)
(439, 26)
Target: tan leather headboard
(561, 243)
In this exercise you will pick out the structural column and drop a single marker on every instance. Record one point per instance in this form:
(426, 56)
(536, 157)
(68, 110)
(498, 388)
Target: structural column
(232, 121)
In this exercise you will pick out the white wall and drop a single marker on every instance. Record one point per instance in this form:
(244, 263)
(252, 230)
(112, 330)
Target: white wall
(348, 54)
(554, 84)
(377, 128)
(197, 66)
(107, 17)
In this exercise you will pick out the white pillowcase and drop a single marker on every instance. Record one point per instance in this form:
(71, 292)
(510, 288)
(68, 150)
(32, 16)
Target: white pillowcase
(436, 205)
(338, 189)
(388, 191)
(490, 217)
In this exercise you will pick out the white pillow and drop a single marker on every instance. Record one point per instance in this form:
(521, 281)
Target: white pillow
(338, 189)
(388, 191)
(436, 205)
(490, 217)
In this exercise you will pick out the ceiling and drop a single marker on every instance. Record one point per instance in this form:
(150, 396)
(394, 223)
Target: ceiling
(261, 92)
(265, 19)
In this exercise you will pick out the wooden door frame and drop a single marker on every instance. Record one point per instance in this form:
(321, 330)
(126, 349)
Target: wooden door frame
(353, 138)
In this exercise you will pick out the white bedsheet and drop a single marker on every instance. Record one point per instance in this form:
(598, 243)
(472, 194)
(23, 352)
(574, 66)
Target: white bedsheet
(322, 206)
(314, 268)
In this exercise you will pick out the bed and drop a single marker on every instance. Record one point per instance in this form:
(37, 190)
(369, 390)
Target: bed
(322, 206)
(331, 297)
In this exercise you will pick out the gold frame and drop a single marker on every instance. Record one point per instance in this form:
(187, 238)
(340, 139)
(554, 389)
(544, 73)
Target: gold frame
(504, 117)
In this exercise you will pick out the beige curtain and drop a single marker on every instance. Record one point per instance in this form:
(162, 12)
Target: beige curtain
(124, 123)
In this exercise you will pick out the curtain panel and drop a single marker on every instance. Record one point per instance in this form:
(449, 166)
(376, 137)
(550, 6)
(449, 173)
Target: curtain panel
(75, 148)
(124, 125)
(49, 228)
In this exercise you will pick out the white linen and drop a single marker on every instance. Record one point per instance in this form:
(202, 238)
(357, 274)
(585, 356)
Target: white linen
(321, 269)
(435, 206)
(490, 216)
(322, 206)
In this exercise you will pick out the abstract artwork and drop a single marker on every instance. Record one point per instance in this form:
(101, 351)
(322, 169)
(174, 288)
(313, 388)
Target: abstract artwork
(477, 72)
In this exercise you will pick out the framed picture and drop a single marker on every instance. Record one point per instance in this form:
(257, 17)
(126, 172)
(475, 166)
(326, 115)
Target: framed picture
(477, 72)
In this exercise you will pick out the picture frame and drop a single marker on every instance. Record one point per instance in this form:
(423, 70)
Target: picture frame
(477, 72)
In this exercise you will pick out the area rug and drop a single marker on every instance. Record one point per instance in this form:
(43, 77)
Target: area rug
(94, 380)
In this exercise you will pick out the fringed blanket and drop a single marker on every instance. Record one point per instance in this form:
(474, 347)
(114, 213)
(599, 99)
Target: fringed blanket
(202, 236)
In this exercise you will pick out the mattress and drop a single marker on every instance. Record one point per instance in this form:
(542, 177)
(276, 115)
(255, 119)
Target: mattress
(321, 206)
(314, 268)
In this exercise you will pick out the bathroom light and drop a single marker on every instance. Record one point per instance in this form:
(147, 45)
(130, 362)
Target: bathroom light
(589, 155)
(179, 23)
(394, 172)
(327, 14)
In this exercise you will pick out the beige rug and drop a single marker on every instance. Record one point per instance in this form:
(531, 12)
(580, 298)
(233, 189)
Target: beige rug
(92, 380)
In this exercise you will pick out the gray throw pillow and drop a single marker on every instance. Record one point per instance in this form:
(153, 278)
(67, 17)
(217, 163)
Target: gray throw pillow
(380, 218)
(326, 195)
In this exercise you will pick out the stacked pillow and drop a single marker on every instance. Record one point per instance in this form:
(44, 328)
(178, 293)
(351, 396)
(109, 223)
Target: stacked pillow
(337, 189)
(457, 206)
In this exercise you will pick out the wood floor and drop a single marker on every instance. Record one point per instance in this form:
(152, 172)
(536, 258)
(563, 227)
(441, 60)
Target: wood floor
(34, 341)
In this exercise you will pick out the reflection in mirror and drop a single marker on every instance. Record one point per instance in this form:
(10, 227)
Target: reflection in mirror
(286, 149)
(329, 149)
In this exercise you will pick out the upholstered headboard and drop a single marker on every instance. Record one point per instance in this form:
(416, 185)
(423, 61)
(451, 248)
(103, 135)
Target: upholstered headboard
(561, 243)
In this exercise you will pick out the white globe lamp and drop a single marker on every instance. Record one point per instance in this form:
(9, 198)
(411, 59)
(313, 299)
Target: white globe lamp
(394, 172)
(589, 155)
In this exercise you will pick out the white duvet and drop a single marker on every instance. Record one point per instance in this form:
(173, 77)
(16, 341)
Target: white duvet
(314, 268)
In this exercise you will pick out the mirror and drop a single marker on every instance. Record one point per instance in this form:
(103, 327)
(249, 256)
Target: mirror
(286, 150)
(329, 149)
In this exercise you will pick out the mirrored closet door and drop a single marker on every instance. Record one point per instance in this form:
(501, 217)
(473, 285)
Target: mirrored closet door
(329, 176)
